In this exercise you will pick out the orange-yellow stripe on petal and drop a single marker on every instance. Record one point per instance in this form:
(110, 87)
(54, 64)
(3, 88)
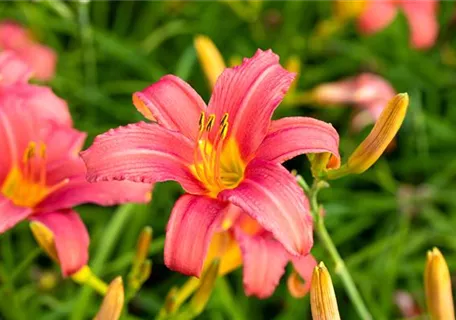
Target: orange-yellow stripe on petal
(378, 139)
(322, 296)
(210, 58)
(437, 281)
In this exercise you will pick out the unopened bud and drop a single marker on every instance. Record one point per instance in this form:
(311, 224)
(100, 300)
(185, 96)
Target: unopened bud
(322, 297)
(210, 58)
(377, 141)
(203, 293)
(348, 9)
(437, 281)
(45, 239)
(113, 302)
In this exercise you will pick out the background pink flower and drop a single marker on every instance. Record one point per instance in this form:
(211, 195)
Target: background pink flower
(421, 16)
(41, 59)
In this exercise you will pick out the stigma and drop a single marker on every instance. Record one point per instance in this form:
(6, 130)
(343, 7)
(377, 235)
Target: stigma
(217, 161)
(25, 184)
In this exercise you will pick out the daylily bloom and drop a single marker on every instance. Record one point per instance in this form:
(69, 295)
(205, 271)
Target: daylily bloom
(225, 155)
(40, 58)
(42, 178)
(421, 17)
(368, 92)
(263, 258)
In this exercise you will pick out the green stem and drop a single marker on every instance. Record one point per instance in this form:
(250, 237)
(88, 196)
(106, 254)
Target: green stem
(328, 244)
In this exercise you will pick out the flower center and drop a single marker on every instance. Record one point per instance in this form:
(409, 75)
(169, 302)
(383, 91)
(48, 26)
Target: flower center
(217, 161)
(26, 185)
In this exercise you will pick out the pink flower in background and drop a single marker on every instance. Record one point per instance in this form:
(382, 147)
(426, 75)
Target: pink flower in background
(227, 154)
(42, 178)
(368, 92)
(40, 100)
(421, 16)
(41, 59)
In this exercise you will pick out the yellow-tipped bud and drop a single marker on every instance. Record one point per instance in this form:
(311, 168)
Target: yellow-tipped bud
(378, 139)
(142, 247)
(203, 293)
(85, 276)
(322, 297)
(210, 58)
(113, 302)
(45, 239)
(437, 282)
(293, 64)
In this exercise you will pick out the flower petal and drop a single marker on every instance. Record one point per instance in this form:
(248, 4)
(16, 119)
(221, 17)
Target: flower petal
(10, 214)
(13, 69)
(189, 232)
(264, 263)
(377, 15)
(289, 137)
(173, 104)
(224, 246)
(422, 18)
(250, 91)
(304, 265)
(41, 59)
(70, 236)
(62, 142)
(79, 191)
(270, 195)
(41, 102)
(142, 152)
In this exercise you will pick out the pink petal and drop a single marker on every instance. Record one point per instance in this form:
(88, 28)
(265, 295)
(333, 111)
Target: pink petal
(173, 104)
(422, 18)
(12, 69)
(40, 101)
(10, 214)
(264, 263)
(142, 152)
(337, 92)
(377, 15)
(270, 195)
(189, 232)
(78, 191)
(290, 137)
(41, 59)
(250, 91)
(70, 236)
(304, 265)
(13, 35)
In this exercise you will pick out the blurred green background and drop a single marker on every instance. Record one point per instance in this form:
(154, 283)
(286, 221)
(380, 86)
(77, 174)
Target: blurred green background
(383, 221)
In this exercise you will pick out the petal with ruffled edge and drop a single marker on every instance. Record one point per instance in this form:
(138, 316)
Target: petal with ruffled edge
(193, 221)
(142, 152)
(304, 265)
(70, 237)
(422, 18)
(252, 90)
(173, 104)
(271, 196)
(264, 263)
(13, 69)
(79, 191)
(377, 15)
(10, 214)
(290, 137)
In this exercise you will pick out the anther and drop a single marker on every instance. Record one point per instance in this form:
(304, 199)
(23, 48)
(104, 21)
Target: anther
(223, 131)
(210, 122)
(201, 121)
(29, 152)
(224, 118)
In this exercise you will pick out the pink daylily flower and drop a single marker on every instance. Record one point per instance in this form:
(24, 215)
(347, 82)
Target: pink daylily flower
(368, 92)
(42, 178)
(224, 154)
(264, 258)
(421, 16)
(41, 59)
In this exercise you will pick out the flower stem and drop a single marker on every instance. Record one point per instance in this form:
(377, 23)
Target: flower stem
(328, 244)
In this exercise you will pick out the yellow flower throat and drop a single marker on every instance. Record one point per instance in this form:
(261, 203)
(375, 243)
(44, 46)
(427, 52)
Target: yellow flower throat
(217, 163)
(26, 186)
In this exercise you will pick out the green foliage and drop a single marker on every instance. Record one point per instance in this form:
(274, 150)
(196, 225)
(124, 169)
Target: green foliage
(382, 221)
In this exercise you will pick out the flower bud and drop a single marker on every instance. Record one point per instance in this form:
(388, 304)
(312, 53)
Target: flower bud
(322, 297)
(45, 239)
(210, 58)
(377, 141)
(437, 282)
(348, 9)
(202, 295)
(113, 302)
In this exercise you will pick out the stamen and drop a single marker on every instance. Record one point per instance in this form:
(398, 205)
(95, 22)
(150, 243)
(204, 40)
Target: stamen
(201, 121)
(210, 122)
